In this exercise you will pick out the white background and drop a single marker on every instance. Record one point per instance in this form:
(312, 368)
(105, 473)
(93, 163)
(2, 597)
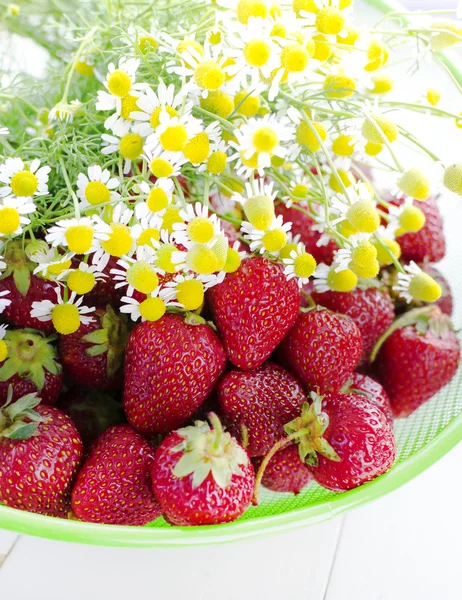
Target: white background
(402, 547)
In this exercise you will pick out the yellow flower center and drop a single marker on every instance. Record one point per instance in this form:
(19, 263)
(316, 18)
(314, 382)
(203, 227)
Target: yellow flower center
(174, 138)
(128, 106)
(188, 44)
(415, 183)
(219, 103)
(304, 265)
(373, 149)
(119, 83)
(424, 288)
(364, 216)
(386, 250)
(216, 163)
(24, 183)
(65, 318)
(351, 36)
(97, 193)
(84, 69)
(200, 230)
(294, 58)
(322, 49)
(154, 120)
(330, 21)
(304, 5)
(307, 137)
(202, 260)
(344, 145)
(251, 162)
(412, 219)
(171, 216)
(382, 84)
(300, 191)
(161, 167)
(345, 178)
(3, 350)
(233, 261)
(279, 30)
(257, 53)
(146, 42)
(220, 249)
(364, 260)
(81, 282)
(142, 277)
(197, 149)
(152, 309)
(288, 248)
(246, 105)
(131, 146)
(344, 281)
(79, 238)
(164, 258)
(274, 240)
(58, 268)
(259, 211)
(9, 220)
(433, 96)
(265, 139)
(157, 200)
(120, 240)
(209, 75)
(377, 55)
(453, 178)
(215, 37)
(190, 293)
(147, 236)
(379, 129)
(251, 8)
(339, 86)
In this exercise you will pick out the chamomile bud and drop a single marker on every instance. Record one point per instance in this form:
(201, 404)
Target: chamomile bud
(339, 86)
(378, 127)
(246, 104)
(344, 145)
(330, 20)
(345, 281)
(363, 216)
(453, 178)
(411, 219)
(386, 249)
(345, 177)
(323, 50)
(246, 9)
(219, 103)
(415, 183)
(382, 84)
(415, 284)
(307, 137)
(190, 293)
(372, 149)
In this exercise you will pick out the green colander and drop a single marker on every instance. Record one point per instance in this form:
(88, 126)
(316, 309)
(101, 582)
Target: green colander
(422, 439)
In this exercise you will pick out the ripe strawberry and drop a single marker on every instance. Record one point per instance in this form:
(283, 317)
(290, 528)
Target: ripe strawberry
(372, 389)
(40, 451)
(24, 289)
(285, 472)
(114, 484)
(253, 309)
(428, 244)
(30, 366)
(256, 405)
(322, 349)
(420, 356)
(93, 355)
(202, 476)
(171, 366)
(302, 224)
(92, 412)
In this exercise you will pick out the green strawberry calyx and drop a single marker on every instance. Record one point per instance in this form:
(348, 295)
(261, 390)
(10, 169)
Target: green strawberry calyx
(18, 265)
(29, 355)
(209, 450)
(19, 420)
(110, 339)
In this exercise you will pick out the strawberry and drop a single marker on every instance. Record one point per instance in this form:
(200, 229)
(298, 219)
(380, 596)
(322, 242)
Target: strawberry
(93, 355)
(202, 475)
(285, 472)
(372, 389)
(428, 244)
(30, 366)
(418, 356)
(302, 224)
(371, 309)
(114, 484)
(92, 412)
(256, 405)
(24, 289)
(253, 309)
(322, 349)
(40, 452)
(171, 366)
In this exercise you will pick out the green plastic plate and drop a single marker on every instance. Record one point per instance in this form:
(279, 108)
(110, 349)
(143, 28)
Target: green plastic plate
(422, 439)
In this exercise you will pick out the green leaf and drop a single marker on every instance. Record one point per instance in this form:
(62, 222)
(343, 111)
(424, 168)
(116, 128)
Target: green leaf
(51, 365)
(96, 337)
(9, 368)
(37, 375)
(21, 279)
(96, 350)
(27, 402)
(20, 431)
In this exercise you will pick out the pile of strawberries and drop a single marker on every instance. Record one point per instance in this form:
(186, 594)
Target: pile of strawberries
(296, 386)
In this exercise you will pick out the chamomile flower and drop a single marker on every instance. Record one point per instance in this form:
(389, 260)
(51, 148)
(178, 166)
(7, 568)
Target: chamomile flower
(17, 180)
(326, 279)
(234, 258)
(128, 144)
(148, 230)
(217, 159)
(50, 263)
(300, 265)
(120, 239)
(188, 290)
(198, 226)
(294, 66)
(202, 259)
(4, 301)
(173, 133)
(137, 273)
(299, 187)
(164, 165)
(3, 346)
(417, 182)
(66, 315)
(152, 103)
(258, 203)
(359, 255)
(329, 18)
(272, 240)
(97, 188)
(84, 278)
(198, 148)
(159, 197)
(120, 82)
(258, 140)
(64, 111)
(146, 40)
(407, 217)
(150, 309)
(81, 236)
(309, 134)
(4, 131)
(13, 211)
(415, 284)
(357, 207)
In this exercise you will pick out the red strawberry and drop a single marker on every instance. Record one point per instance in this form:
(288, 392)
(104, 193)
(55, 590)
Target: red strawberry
(24, 289)
(302, 224)
(322, 349)
(253, 309)
(371, 309)
(114, 484)
(372, 389)
(256, 405)
(285, 472)
(202, 476)
(40, 451)
(428, 244)
(93, 355)
(420, 356)
(171, 366)
(92, 412)
(31, 366)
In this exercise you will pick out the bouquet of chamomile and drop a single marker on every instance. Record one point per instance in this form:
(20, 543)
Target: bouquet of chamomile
(203, 287)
